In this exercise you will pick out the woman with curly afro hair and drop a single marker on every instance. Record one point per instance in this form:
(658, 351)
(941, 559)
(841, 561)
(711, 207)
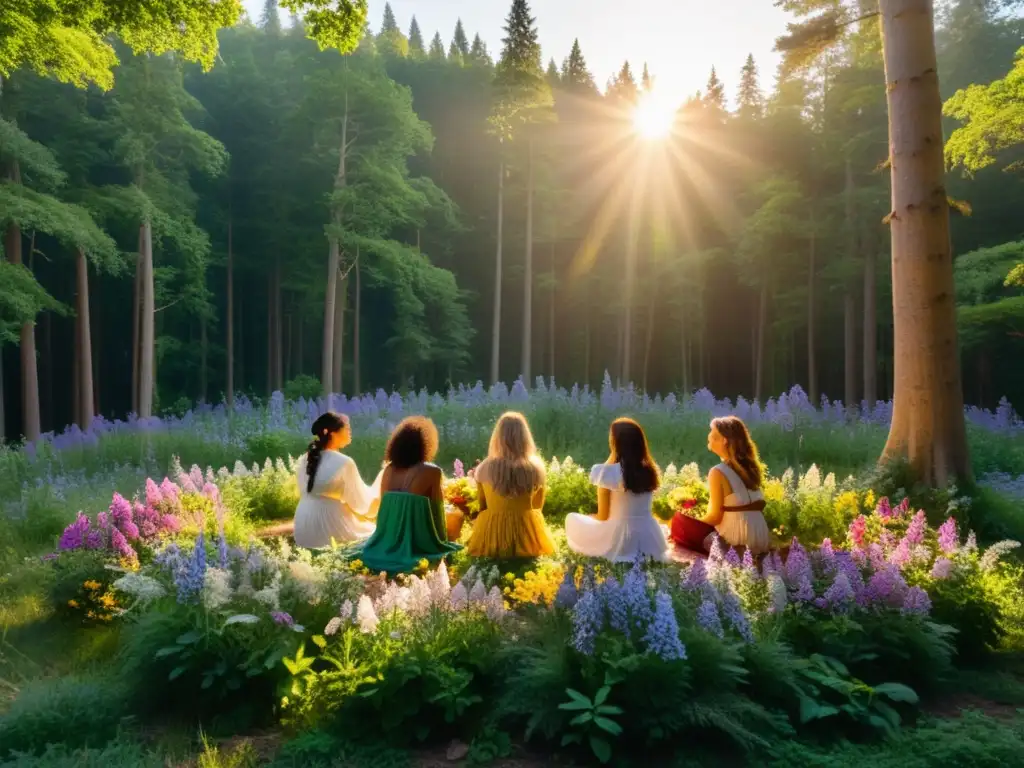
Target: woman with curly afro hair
(411, 521)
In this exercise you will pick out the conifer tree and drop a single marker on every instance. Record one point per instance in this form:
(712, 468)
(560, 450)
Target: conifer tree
(714, 92)
(749, 98)
(270, 21)
(575, 75)
(622, 87)
(416, 48)
(478, 53)
(460, 43)
(388, 24)
(436, 48)
(552, 75)
(391, 41)
(646, 82)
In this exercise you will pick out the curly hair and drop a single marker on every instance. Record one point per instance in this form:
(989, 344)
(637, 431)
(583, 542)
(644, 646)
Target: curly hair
(413, 442)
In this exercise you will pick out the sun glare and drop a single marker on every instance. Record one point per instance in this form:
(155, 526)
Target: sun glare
(653, 117)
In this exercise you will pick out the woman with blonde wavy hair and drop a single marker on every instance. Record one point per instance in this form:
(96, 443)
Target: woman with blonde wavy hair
(511, 490)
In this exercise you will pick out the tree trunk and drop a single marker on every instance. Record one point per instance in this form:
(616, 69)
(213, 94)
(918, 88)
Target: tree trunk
(850, 350)
(147, 320)
(551, 318)
(649, 338)
(496, 306)
(229, 395)
(339, 336)
(870, 350)
(812, 362)
(203, 359)
(684, 352)
(46, 404)
(333, 266)
(357, 311)
(524, 365)
(83, 343)
(586, 348)
(29, 372)
(762, 322)
(928, 414)
(278, 329)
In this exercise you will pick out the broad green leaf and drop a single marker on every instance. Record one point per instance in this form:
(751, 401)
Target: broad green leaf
(601, 748)
(610, 726)
(897, 692)
(582, 719)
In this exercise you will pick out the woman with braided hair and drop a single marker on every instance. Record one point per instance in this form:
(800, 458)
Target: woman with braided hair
(335, 505)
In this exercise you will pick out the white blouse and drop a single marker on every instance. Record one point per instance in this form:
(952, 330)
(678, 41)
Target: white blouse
(340, 507)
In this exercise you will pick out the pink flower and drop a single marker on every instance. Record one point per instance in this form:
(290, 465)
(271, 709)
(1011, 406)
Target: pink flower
(858, 529)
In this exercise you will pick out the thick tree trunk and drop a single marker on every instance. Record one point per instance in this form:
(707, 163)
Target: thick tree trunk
(83, 343)
(928, 414)
(339, 336)
(47, 407)
(812, 362)
(762, 323)
(850, 350)
(229, 395)
(333, 267)
(870, 341)
(147, 340)
(31, 428)
(527, 353)
(496, 305)
(357, 311)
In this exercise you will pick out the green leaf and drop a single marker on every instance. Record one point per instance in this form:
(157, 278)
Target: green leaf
(577, 696)
(571, 738)
(177, 672)
(189, 638)
(608, 709)
(602, 695)
(573, 706)
(170, 650)
(207, 681)
(897, 692)
(319, 641)
(601, 748)
(607, 725)
(581, 719)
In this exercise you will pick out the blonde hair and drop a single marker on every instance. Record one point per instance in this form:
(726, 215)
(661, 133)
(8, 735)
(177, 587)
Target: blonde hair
(512, 466)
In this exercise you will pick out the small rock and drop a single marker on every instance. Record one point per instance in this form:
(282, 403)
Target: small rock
(457, 750)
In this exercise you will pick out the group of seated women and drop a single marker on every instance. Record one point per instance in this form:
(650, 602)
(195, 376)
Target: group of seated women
(400, 520)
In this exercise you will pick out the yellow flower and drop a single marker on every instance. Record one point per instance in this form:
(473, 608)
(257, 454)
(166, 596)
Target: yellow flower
(847, 500)
(773, 491)
(870, 501)
(107, 601)
(73, 603)
(93, 585)
(538, 587)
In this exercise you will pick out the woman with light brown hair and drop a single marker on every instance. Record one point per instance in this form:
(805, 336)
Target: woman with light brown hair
(510, 482)
(736, 503)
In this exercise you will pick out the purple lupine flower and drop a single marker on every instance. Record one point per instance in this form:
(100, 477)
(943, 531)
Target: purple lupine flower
(567, 595)
(902, 509)
(840, 595)
(171, 495)
(154, 497)
(733, 612)
(458, 470)
(612, 596)
(798, 565)
(949, 537)
(696, 577)
(827, 556)
(708, 619)
(846, 563)
(122, 517)
(916, 529)
(942, 568)
(662, 636)
(191, 575)
(916, 603)
(102, 520)
(887, 586)
(733, 558)
(887, 541)
(716, 554)
(282, 619)
(749, 565)
(74, 536)
(587, 622)
(883, 509)
(195, 474)
(634, 593)
(211, 492)
(94, 539)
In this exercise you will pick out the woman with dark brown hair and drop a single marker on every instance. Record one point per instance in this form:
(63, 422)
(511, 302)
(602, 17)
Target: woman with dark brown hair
(736, 503)
(624, 526)
(411, 520)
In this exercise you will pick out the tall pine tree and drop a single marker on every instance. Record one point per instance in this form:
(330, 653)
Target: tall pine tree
(416, 47)
(270, 20)
(575, 75)
(436, 48)
(714, 92)
(749, 98)
(459, 48)
(478, 53)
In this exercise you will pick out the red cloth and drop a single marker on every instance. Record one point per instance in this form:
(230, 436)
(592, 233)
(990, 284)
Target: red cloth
(690, 533)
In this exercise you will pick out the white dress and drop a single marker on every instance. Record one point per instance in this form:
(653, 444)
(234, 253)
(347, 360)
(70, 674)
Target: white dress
(340, 506)
(629, 530)
(742, 528)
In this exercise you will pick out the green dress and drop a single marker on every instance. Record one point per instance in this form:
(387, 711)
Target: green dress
(410, 528)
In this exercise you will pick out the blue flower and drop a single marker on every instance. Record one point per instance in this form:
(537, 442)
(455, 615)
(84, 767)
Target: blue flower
(587, 622)
(697, 576)
(191, 574)
(733, 612)
(662, 636)
(634, 594)
(708, 619)
(567, 595)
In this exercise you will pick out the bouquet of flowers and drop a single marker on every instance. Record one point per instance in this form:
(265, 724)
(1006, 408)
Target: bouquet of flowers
(460, 492)
(690, 499)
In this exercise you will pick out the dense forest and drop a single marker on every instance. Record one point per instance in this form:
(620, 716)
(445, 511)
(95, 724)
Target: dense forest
(416, 213)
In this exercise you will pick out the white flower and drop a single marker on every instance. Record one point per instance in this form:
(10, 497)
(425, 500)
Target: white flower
(440, 586)
(420, 597)
(396, 635)
(459, 597)
(346, 610)
(811, 481)
(997, 550)
(308, 579)
(493, 575)
(777, 593)
(242, 618)
(216, 588)
(333, 626)
(495, 605)
(143, 588)
(270, 595)
(366, 617)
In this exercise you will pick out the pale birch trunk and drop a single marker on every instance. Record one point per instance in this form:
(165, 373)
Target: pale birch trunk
(83, 343)
(339, 336)
(147, 363)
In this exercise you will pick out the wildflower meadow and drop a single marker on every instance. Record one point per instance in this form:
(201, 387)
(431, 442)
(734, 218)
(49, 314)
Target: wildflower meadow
(149, 613)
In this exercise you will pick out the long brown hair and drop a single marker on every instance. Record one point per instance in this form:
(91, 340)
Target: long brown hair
(640, 474)
(741, 449)
(512, 465)
(326, 424)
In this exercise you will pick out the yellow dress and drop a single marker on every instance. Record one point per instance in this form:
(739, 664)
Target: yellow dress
(510, 528)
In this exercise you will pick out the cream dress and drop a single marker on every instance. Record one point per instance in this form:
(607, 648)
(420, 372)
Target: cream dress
(341, 507)
(630, 529)
(742, 528)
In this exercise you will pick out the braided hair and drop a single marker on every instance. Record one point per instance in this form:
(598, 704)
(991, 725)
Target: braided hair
(325, 425)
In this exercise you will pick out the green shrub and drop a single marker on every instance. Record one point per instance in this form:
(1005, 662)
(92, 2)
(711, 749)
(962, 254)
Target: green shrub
(303, 386)
(117, 754)
(70, 711)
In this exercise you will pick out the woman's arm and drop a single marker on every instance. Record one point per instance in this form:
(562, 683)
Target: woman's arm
(604, 503)
(716, 500)
(537, 500)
